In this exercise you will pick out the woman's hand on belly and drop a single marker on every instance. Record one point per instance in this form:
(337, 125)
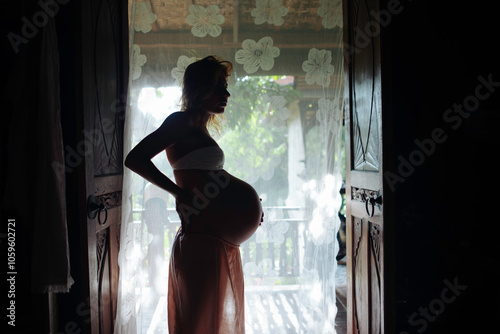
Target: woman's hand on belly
(262, 217)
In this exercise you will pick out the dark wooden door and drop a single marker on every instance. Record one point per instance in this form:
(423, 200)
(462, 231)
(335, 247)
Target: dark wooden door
(364, 170)
(104, 58)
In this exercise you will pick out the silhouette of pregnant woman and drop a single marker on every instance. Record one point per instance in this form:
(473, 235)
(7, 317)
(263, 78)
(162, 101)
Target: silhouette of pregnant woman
(217, 210)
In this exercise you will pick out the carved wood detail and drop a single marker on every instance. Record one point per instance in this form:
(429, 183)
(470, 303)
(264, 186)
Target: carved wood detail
(101, 251)
(107, 100)
(357, 237)
(356, 267)
(375, 307)
(110, 200)
(102, 245)
(375, 242)
(118, 234)
(360, 194)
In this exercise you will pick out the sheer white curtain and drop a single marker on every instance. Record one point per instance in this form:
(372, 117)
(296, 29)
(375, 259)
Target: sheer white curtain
(282, 134)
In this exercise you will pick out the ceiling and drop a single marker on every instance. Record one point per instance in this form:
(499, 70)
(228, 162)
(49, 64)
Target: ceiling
(170, 35)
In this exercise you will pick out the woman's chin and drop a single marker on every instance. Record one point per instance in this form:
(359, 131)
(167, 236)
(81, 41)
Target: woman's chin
(221, 109)
(218, 111)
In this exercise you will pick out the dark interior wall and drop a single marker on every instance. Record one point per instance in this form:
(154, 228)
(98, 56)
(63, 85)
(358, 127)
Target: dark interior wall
(440, 71)
(20, 67)
(445, 210)
(73, 308)
(19, 74)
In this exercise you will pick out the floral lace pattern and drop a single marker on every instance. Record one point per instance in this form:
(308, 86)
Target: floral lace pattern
(270, 11)
(331, 13)
(138, 60)
(257, 55)
(144, 18)
(324, 218)
(262, 273)
(329, 114)
(280, 113)
(182, 63)
(318, 67)
(205, 21)
(280, 134)
(265, 170)
(273, 227)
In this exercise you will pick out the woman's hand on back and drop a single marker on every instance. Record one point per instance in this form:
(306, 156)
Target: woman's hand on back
(184, 206)
(140, 157)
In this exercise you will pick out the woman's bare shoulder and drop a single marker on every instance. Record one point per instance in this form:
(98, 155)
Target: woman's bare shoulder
(178, 115)
(177, 118)
(176, 121)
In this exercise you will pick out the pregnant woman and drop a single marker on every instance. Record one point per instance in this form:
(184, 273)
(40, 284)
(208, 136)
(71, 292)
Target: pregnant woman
(217, 210)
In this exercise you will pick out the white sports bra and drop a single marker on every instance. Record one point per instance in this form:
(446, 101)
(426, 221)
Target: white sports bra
(207, 158)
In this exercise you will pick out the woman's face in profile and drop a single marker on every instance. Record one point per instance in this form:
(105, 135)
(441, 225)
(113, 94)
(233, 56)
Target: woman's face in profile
(216, 103)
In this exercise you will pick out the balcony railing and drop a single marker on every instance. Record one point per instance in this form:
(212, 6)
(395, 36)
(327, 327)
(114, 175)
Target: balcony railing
(284, 256)
(283, 261)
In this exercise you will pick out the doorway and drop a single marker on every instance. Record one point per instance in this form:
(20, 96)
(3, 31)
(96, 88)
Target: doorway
(282, 134)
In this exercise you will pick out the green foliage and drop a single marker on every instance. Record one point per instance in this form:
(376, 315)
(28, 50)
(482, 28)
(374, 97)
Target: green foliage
(255, 137)
(247, 98)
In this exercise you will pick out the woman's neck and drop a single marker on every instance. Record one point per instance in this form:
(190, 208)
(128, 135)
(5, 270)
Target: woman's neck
(199, 120)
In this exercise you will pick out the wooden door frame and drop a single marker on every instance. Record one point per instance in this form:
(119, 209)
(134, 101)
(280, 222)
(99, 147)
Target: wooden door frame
(387, 292)
(84, 84)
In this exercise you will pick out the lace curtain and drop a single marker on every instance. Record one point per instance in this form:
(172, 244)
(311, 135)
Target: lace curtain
(282, 134)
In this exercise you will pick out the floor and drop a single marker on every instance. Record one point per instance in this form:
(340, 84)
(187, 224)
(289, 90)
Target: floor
(280, 307)
(341, 319)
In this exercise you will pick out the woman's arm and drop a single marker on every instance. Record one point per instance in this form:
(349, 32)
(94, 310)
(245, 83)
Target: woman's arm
(139, 158)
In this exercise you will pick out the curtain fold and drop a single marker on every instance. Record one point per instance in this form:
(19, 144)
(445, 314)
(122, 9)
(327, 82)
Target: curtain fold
(50, 262)
(282, 134)
(34, 155)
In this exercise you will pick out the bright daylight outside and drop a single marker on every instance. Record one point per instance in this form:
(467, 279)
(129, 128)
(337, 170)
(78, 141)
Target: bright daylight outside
(282, 133)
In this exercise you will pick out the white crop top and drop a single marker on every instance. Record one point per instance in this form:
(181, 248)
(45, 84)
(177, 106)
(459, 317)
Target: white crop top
(207, 158)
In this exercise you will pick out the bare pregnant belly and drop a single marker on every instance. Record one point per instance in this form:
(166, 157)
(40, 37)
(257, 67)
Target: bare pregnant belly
(223, 205)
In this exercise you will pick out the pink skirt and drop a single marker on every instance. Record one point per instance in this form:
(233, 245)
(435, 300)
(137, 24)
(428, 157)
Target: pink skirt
(205, 286)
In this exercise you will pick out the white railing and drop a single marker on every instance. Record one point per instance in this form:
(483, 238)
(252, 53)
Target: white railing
(285, 256)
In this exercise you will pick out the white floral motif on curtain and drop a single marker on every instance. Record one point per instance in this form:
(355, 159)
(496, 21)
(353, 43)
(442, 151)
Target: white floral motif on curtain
(130, 260)
(322, 227)
(270, 11)
(143, 17)
(265, 169)
(137, 61)
(324, 221)
(331, 12)
(205, 21)
(272, 162)
(273, 227)
(328, 114)
(318, 67)
(257, 55)
(281, 112)
(313, 293)
(182, 63)
(263, 273)
(267, 144)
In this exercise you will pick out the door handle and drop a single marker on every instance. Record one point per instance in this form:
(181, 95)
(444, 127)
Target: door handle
(94, 208)
(373, 200)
